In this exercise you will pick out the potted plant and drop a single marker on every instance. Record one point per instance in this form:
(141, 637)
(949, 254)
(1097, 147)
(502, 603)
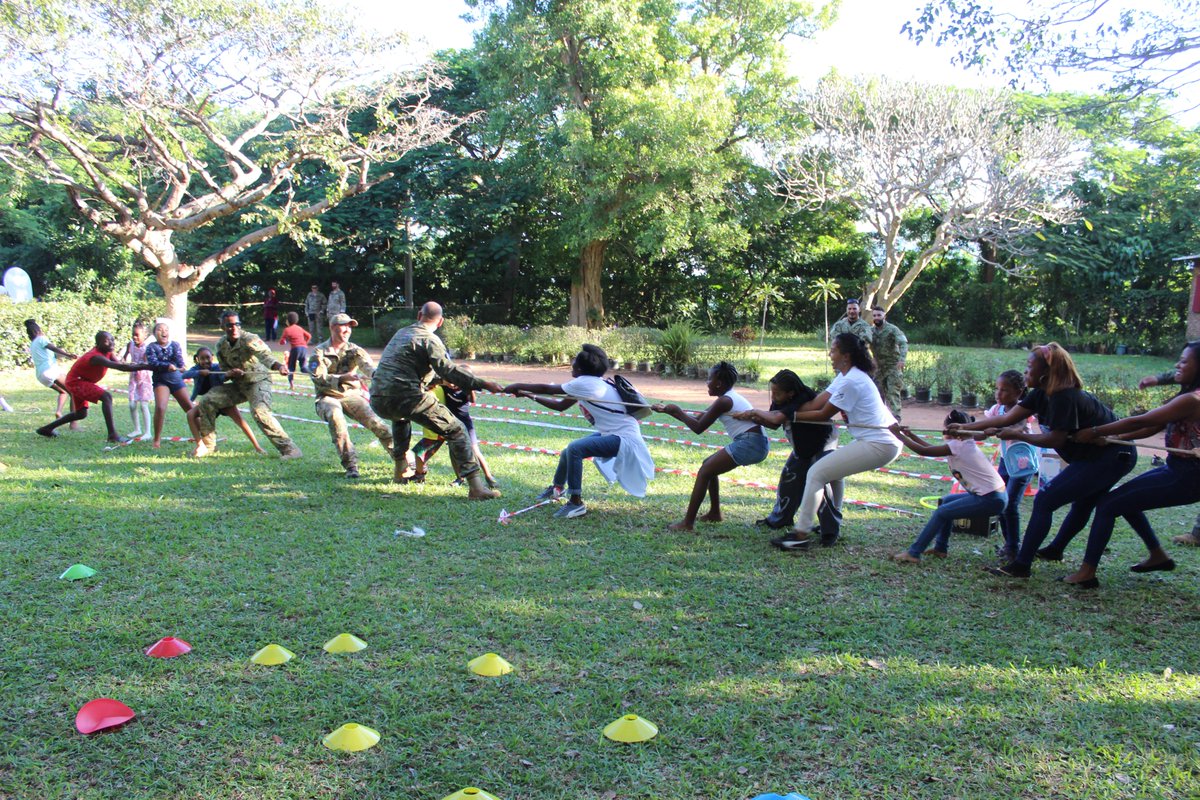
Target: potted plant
(919, 371)
(968, 382)
(944, 374)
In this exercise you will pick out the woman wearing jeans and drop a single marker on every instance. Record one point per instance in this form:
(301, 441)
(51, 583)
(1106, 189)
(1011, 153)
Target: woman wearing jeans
(854, 394)
(617, 449)
(1177, 483)
(1056, 396)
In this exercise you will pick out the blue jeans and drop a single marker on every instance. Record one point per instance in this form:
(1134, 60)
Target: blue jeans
(1010, 518)
(1176, 484)
(791, 490)
(952, 507)
(1082, 484)
(570, 462)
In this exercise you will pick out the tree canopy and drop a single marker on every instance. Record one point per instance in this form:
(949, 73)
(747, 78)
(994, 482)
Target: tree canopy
(160, 118)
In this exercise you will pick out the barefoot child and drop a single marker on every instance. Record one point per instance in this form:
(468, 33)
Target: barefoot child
(83, 384)
(204, 375)
(45, 365)
(984, 495)
(141, 389)
(166, 358)
(749, 445)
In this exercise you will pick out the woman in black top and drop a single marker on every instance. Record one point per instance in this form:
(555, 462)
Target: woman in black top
(1062, 407)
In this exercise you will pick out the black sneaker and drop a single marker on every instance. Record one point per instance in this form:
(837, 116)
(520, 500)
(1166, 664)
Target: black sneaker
(549, 493)
(829, 539)
(791, 541)
(766, 523)
(1010, 570)
(571, 510)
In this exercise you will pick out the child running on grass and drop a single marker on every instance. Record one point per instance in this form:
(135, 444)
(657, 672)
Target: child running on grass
(141, 391)
(45, 365)
(749, 445)
(809, 443)
(83, 383)
(297, 340)
(204, 375)
(984, 494)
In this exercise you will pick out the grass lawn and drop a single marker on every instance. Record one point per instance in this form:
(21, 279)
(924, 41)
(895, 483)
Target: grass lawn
(836, 674)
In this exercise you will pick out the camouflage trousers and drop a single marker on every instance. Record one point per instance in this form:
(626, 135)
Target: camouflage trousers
(257, 394)
(426, 411)
(890, 380)
(334, 410)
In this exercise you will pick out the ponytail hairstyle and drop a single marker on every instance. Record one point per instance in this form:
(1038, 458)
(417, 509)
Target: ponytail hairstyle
(958, 417)
(724, 372)
(789, 381)
(592, 360)
(850, 345)
(1194, 349)
(1060, 369)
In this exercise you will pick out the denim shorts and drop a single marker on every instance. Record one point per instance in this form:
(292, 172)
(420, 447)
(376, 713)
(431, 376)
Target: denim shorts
(748, 448)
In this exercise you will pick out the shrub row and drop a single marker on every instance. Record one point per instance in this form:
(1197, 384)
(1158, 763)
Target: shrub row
(71, 323)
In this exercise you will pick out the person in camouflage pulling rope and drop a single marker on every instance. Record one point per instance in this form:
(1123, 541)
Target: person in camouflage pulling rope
(889, 345)
(247, 362)
(851, 323)
(337, 369)
(399, 394)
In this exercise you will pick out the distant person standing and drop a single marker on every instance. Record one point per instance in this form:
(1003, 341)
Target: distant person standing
(270, 316)
(314, 309)
(851, 323)
(337, 301)
(889, 345)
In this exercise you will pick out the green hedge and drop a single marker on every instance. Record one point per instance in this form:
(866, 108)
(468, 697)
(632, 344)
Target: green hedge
(70, 323)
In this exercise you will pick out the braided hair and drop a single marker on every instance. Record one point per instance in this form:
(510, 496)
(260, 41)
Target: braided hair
(724, 372)
(790, 382)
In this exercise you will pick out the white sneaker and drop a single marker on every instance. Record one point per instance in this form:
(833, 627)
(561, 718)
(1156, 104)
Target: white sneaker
(571, 511)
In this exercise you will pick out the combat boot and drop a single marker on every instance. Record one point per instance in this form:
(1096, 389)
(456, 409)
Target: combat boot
(479, 489)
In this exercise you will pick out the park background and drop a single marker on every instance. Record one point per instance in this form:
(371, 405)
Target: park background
(839, 675)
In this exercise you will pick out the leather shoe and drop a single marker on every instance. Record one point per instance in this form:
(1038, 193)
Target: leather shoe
(1161, 566)
(1049, 554)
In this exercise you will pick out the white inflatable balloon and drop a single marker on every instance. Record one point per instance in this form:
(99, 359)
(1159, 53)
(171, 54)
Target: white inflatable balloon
(18, 285)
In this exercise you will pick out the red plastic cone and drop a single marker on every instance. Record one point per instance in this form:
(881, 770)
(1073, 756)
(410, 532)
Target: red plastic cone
(102, 713)
(168, 647)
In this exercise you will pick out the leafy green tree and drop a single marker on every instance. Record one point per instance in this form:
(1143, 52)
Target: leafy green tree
(159, 118)
(634, 114)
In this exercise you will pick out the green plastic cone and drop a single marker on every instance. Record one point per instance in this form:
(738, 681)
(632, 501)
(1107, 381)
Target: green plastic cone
(77, 572)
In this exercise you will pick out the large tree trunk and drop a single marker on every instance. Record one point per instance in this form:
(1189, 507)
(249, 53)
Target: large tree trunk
(177, 313)
(587, 301)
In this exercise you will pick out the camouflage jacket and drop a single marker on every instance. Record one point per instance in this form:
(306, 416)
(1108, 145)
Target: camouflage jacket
(325, 362)
(409, 361)
(860, 328)
(248, 353)
(889, 345)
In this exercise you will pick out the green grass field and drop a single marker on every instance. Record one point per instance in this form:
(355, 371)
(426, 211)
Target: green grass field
(836, 673)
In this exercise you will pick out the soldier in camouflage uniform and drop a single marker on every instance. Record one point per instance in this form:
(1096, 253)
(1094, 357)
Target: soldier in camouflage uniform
(851, 323)
(246, 360)
(889, 346)
(337, 368)
(399, 394)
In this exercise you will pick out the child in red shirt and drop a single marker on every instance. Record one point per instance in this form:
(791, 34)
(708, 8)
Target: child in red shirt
(297, 339)
(83, 384)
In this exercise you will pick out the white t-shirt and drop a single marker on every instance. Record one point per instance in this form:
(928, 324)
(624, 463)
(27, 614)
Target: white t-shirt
(43, 356)
(632, 466)
(855, 393)
(972, 468)
(736, 427)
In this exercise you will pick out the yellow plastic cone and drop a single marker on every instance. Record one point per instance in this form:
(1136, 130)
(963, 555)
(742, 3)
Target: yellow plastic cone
(352, 737)
(345, 643)
(271, 655)
(470, 793)
(630, 728)
(490, 665)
